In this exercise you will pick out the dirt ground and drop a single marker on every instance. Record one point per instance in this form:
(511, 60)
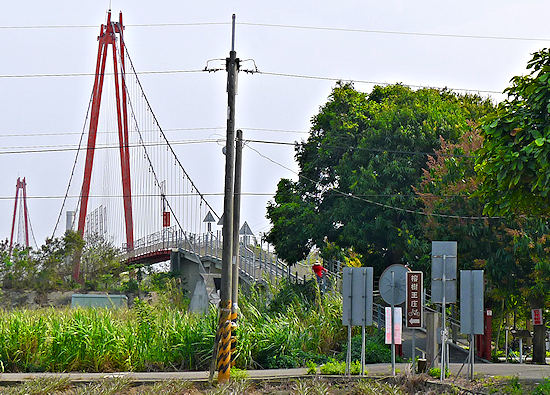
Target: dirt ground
(337, 385)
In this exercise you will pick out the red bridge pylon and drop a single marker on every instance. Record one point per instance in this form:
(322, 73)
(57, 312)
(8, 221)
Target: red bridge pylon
(21, 185)
(108, 36)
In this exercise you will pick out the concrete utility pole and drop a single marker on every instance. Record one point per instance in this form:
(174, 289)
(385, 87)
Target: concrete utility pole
(237, 220)
(224, 330)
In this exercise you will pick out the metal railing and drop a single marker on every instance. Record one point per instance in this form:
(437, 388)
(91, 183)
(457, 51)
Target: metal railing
(258, 260)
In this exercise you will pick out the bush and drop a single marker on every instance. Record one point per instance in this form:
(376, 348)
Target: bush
(294, 359)
(376, 351)
(337, 367)
(543, 388)
(436, 372)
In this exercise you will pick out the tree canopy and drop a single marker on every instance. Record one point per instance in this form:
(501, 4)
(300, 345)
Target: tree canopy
(514, 163)
(363, 155)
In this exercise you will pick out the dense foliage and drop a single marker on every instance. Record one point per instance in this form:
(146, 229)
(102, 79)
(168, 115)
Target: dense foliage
(370, 146)
(512, 251)
(514, 168)
(514, 163)
(49, 267)
(287, 329)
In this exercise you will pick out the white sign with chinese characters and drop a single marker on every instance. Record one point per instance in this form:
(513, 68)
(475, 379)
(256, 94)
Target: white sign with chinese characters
(415, 284)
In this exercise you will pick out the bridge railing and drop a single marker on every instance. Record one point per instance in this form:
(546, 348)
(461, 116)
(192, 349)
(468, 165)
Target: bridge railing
(258, 261)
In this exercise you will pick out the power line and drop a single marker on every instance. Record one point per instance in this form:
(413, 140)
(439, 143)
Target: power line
(48, 134)
(64, 148)
(36, 27)
(383, 205)
(271, 73)
(51, 75)
(99, 147)
(314, 77)
(396, 32)
(139, 195)
(284, 26)
(377, 150)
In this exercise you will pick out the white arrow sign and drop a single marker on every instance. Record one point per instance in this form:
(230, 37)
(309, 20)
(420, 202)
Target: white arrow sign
(413, 321)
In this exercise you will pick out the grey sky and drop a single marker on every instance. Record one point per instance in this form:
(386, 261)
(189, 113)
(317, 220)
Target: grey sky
(58, 104)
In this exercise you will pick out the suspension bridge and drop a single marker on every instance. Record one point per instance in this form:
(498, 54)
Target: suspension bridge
(128, 187)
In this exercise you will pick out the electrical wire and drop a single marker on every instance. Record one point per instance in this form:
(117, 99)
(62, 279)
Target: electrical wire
(287, 26)
(383, 205)
(36, 27)
(49, 75)
(271, 73)
(49, 134)
(73, 148)
(141, 195)
(315, 77)
(352, 148)
(395, 32)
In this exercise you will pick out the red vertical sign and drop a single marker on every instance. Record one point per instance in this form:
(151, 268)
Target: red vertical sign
(166, 219)
(536, 314)
(415, 285)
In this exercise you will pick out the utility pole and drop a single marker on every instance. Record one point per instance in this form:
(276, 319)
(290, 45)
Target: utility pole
(236, 222)
(237, 219)
(225, 324)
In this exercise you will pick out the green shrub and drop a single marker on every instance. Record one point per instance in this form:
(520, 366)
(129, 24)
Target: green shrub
(436, 372)
(542, 388)
(375, 349)
(338, 367)
(311, 367)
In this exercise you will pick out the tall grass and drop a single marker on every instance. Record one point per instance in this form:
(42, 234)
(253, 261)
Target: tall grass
(283, 331)
(100, 340)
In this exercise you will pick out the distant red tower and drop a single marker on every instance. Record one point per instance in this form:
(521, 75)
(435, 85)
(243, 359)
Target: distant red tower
(108, 36)
(21, 185)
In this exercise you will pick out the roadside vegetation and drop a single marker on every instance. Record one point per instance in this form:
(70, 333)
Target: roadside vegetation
(283, 327)
(384, 173)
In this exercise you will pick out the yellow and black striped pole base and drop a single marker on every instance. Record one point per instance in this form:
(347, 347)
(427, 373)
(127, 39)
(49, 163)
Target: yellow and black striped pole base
(224, 347)
(234, 324)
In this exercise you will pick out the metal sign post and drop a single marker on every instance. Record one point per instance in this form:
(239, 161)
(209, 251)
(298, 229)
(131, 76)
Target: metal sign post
(392, 289)
(471, 309)
(392, 325)
(444, 255)
(414, 307)
(357, 291)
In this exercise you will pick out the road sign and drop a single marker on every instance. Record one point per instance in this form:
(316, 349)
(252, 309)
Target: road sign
(471, 302)
(444, 256)
(413, 305)
(471, 309)
(536, 314)
(393, 293)
(398, 323)
(166, 219)
(357, 290)
(357, 293)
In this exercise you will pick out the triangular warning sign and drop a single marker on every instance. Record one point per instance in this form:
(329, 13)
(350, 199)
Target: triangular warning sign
(209, 218)
(245, 230)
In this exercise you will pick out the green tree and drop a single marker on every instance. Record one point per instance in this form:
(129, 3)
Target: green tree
(508, 249)
(514, 164)
(100, 263)
(365, 148)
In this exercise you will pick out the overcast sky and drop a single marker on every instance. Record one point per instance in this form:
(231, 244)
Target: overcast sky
(57, 105)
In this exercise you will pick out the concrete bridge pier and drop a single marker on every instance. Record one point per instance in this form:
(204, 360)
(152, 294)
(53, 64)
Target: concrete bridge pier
(196, 282)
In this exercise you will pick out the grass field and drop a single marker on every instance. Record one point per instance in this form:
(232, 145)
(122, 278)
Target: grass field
(285, 330)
